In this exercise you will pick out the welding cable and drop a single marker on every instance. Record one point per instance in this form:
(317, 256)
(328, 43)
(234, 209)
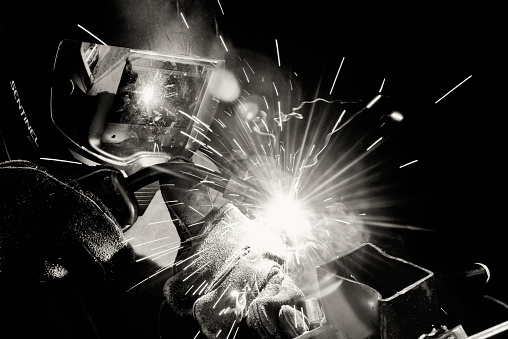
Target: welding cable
(224, 183)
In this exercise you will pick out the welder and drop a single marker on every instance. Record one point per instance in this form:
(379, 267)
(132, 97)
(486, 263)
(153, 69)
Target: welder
(64, 259)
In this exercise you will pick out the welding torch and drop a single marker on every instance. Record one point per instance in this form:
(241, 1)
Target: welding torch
(121, 190)
(224, 183)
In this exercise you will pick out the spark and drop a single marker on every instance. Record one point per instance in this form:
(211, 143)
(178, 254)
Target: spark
(286, 117)
(170, 244)
(215, 151)
(338, 121)
(232, 326)
(149, 242)
(164, 185)
(246, 76)
(162, 269)
(220, 122)
(158, 253)
(342, 221)
(373, 101)
(202, 123)
(333, 85)
(196, 223)
(264, 151)
(463, 81)
(197, 334)
(182, 261)
(328, 137)
(375, 142)
(206, 182)
(382, 84)
(497, 301)
(161, 222)
(223, 43)
(404, 227)
(236, 142)
(204, 135)
(83, 28)
(266, 127)
(193, 139)
(277, 47)
(218, 1)
(170, 252)
(311, 150)
(184, 21)
(236, 332)
(178, 203)
(221, 295)
(61, 160)
(294, 312)
(247, 124)
(321, 99)
(203, 289)
(190, 288)
(249, 67)
(190, 275)
(275, 88)
(199, 287)
(195, 210)
(409, 163)
(266, 102)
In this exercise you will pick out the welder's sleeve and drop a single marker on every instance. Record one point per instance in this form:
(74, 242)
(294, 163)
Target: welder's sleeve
(228, 284)
(49, 227)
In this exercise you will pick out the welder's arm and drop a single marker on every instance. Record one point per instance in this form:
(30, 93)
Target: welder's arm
(228, 283)
(51, 227)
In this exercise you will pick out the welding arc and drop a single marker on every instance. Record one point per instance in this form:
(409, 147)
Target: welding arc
(190, 172)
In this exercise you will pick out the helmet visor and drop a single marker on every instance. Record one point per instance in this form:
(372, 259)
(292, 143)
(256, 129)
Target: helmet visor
(119, 105)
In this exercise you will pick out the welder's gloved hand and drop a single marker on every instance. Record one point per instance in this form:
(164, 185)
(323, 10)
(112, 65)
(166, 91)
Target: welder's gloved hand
(49, 227)
(232, 283)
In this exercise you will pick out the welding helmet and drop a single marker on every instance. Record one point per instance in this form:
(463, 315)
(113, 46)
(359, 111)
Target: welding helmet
(131, 108)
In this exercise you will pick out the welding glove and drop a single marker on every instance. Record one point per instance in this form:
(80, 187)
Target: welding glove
(232, 283)
(50, 226)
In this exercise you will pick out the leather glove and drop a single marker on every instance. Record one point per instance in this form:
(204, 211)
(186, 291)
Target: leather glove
(233, 280)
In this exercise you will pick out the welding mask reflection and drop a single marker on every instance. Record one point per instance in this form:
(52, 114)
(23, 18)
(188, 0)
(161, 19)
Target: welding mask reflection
(129, 107)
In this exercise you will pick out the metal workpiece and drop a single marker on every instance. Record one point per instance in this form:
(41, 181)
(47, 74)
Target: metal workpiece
(367, 293)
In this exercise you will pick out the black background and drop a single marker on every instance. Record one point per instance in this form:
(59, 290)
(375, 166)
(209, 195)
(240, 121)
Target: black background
(455, 189)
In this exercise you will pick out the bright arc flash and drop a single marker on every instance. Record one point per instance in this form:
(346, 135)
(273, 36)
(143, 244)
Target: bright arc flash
(147, 94)
(285, 214)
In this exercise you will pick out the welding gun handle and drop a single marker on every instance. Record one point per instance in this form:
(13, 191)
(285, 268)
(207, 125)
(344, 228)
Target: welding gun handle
(188, 171)
(182, 170)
